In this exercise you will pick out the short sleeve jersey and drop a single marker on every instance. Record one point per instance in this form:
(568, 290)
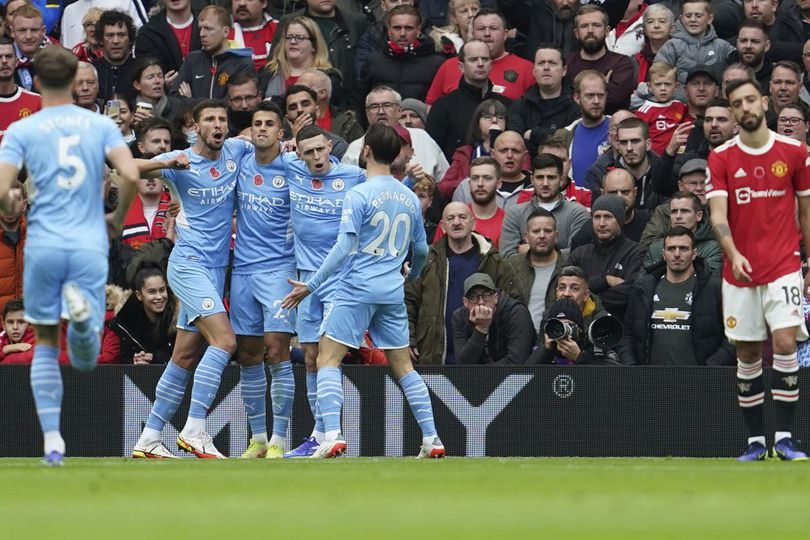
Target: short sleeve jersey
(662, 119)
(760, 185)
(387, 219)
(316, 208)
(64, 149)
(264, 236)
(205, 192)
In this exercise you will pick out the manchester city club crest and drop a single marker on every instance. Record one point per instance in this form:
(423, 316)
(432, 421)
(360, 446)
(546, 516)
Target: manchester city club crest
(338, 184)
(230, 165)
(278, 181)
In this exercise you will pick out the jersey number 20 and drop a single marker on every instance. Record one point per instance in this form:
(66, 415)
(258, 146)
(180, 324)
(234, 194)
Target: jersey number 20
(67, 160)
(388, 234)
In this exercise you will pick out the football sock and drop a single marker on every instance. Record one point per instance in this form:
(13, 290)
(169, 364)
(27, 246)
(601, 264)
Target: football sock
(330, 397)
(46, 385)
(169, 393)
(282, 392)
(206, 382)
(312, 397)
(785, 390)
(779, 435)
(253, 387)
(84, 344)
(416, 393)
(751, 396)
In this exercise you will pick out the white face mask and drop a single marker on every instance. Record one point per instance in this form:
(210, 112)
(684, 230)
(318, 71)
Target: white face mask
(191, 136)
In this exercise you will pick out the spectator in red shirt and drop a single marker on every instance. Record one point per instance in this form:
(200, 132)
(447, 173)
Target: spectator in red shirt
(660, 111)
(12, 241)
(169, 37)
(15, 101)
(89, 49)
(17, 337)
(485, 180)
(253, 27)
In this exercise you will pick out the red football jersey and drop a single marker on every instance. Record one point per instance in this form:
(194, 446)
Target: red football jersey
(23, 103)
(662, 119)
(511, 73)
(761, 185)
(258, 38)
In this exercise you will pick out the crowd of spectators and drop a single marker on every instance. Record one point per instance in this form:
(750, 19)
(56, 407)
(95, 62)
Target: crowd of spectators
(558, 149)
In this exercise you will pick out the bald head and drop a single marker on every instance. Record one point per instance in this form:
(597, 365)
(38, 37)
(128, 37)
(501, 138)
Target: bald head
(319, 82)
(620, 182)
(457, 222)
(509, 151)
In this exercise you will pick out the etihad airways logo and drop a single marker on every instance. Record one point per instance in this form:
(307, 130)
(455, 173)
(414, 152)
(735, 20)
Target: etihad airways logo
(746, 194)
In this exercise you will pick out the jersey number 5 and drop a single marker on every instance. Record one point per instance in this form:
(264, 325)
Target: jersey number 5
(66, 161)
(388, 234)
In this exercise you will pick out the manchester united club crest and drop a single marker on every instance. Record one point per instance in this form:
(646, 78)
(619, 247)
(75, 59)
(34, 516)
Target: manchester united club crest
(731, 322)
(25, 112)
(779, 168)
(278, 182)
(258, 180)
(223, 78)
(317, 183)
(510, 75)
(338, 185)
(214, 172)
(230, 165)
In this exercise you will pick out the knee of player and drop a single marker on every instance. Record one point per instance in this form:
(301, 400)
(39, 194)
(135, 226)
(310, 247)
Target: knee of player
(784, 343)
(226, 342)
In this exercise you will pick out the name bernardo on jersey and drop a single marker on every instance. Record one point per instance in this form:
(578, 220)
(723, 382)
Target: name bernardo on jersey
(384, 196)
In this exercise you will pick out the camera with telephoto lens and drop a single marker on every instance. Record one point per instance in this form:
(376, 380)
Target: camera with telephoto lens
(560, 329)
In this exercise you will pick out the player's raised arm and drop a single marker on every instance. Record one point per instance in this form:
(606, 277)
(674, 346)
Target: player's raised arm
(150, 168)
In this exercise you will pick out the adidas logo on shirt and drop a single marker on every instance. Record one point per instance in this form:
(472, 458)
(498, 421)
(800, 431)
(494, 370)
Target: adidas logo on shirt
(740, 173)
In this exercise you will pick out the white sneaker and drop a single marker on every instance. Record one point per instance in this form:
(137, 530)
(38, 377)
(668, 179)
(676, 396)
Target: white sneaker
(330, 449)
(434, 449)
(76, 304)
(201, 446)
(155, 450)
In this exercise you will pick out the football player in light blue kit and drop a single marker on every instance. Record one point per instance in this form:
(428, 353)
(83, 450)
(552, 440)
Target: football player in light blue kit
(64, 148)
(318, 185)
(381, 221)
(263, 262)
(206, 193)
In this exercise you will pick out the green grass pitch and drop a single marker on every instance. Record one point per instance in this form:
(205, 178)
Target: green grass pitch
(404, 498)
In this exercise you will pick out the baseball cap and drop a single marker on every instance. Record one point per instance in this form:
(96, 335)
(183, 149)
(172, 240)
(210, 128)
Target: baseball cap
(705, 70)
(403, 133)
(479, 279)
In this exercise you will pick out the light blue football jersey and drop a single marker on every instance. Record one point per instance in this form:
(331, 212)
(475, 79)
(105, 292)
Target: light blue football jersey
(264, 235)
(316, 206)
(387, 219)
(64, 149)
(206, 193)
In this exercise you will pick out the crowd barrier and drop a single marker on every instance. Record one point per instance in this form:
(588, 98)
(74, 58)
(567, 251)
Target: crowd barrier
(479, 411)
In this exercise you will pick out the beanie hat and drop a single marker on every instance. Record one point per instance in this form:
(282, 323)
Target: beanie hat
(610, 203)
(411, 104)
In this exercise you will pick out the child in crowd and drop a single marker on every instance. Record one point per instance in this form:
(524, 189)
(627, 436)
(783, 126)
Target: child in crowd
(17, 337)
(660, 111)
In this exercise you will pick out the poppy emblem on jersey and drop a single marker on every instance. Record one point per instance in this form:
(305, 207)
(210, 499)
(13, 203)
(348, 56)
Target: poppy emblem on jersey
(338, 185)
(731, 322)
(258, 180)
(24, 113)
(278, 181)
(230, 165)
(208, 304)
(317, 183)
(779, 169)
(510, 75)
(759, 173)
(214, 173)
(222, 80)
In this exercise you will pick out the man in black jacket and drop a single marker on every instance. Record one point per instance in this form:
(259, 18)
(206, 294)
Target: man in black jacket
(546, 106)
(674, 315)
(158, 38)
(491, 328)
(116, 33)
(449, 118)
(612, 261)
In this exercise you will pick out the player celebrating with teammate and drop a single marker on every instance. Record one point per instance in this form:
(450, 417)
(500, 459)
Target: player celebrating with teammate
(754, 181)
(318, 186)
(263, 262)
(64, 148)
(381, 220)
(205, 191)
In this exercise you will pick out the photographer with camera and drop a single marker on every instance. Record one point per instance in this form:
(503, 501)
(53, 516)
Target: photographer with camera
(565, 339)
(491, 328)
(674, 314)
